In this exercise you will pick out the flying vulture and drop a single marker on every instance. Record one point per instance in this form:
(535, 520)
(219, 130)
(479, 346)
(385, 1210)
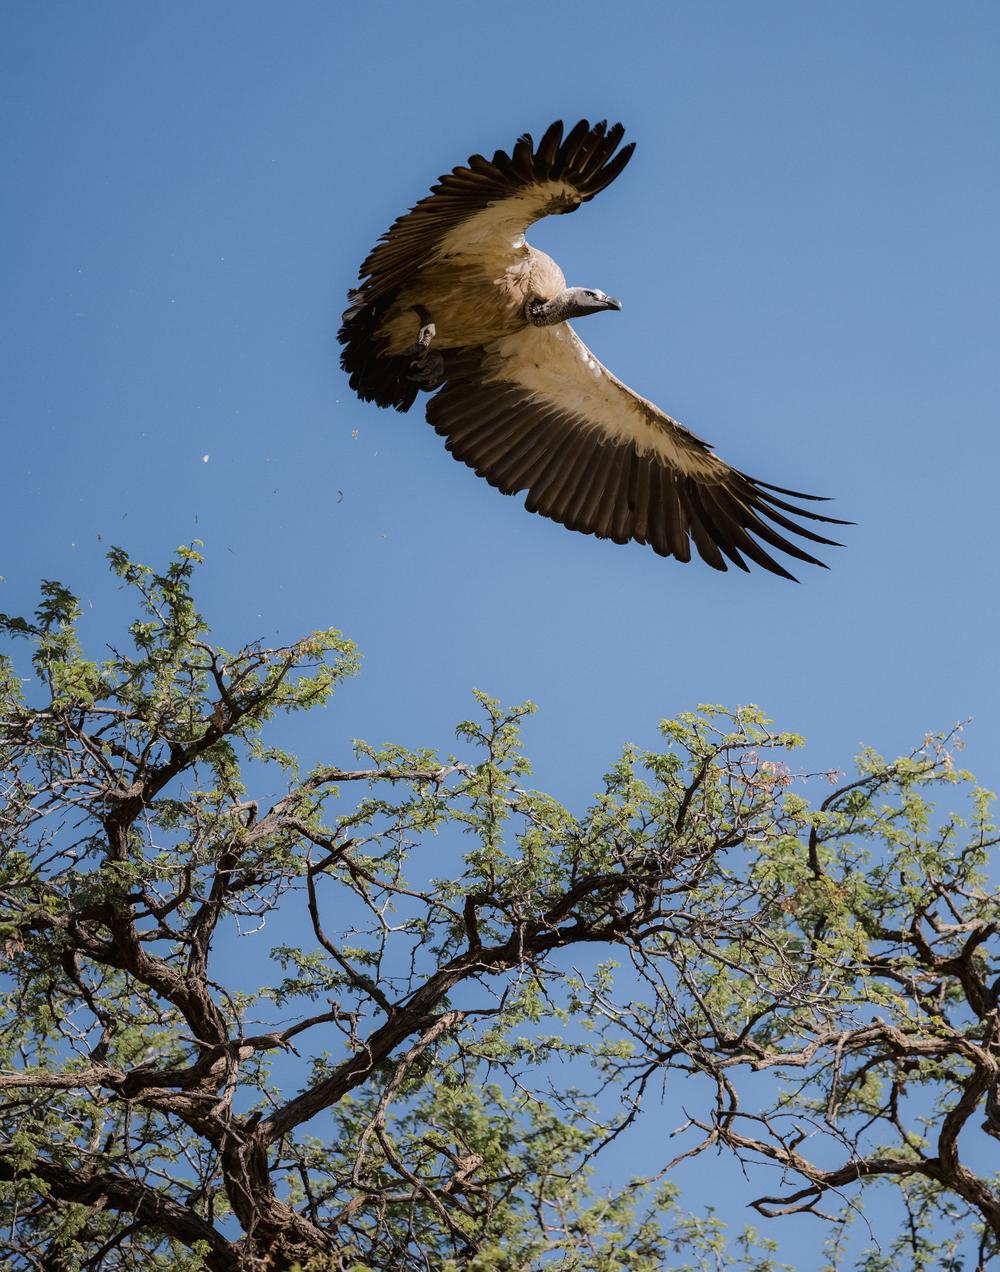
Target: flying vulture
(453, 301)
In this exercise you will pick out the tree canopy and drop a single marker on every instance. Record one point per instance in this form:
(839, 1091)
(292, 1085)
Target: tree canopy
(390, 1015)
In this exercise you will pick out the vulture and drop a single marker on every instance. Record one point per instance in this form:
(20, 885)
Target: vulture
(453, 301)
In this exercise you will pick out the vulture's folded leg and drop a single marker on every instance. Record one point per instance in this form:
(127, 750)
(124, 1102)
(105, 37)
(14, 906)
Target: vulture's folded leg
(426, 366)
(425, 335)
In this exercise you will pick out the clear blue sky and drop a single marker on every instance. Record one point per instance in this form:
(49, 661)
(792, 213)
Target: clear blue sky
(806, 246)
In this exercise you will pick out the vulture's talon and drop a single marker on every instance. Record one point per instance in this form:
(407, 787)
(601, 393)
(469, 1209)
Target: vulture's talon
(427, 368)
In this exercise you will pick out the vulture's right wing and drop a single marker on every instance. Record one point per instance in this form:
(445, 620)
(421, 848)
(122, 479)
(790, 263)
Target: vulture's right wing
(536, 411)
(488, 202)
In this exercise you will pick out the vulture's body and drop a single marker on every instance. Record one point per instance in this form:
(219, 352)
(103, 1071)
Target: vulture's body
(453, 300)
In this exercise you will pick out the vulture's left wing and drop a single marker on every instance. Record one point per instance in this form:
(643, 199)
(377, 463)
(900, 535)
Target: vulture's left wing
(536, 411)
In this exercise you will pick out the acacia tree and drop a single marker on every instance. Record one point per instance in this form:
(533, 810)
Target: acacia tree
(471, 989)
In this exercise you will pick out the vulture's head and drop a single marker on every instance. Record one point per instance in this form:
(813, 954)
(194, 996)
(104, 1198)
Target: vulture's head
(587, 300)
(572, 302)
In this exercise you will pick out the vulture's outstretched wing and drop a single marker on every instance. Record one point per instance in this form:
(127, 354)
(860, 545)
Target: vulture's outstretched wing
(487, 203)
(536, 411)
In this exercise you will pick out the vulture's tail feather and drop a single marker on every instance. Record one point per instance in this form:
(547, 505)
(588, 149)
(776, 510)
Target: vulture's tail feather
(375, 375)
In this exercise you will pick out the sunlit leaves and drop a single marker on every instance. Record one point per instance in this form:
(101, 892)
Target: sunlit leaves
(473, 988)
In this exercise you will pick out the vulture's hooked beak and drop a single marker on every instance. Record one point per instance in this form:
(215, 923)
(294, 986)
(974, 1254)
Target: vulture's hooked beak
(611, 302)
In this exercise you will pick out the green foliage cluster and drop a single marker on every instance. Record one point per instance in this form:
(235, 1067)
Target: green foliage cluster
(472, 989)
